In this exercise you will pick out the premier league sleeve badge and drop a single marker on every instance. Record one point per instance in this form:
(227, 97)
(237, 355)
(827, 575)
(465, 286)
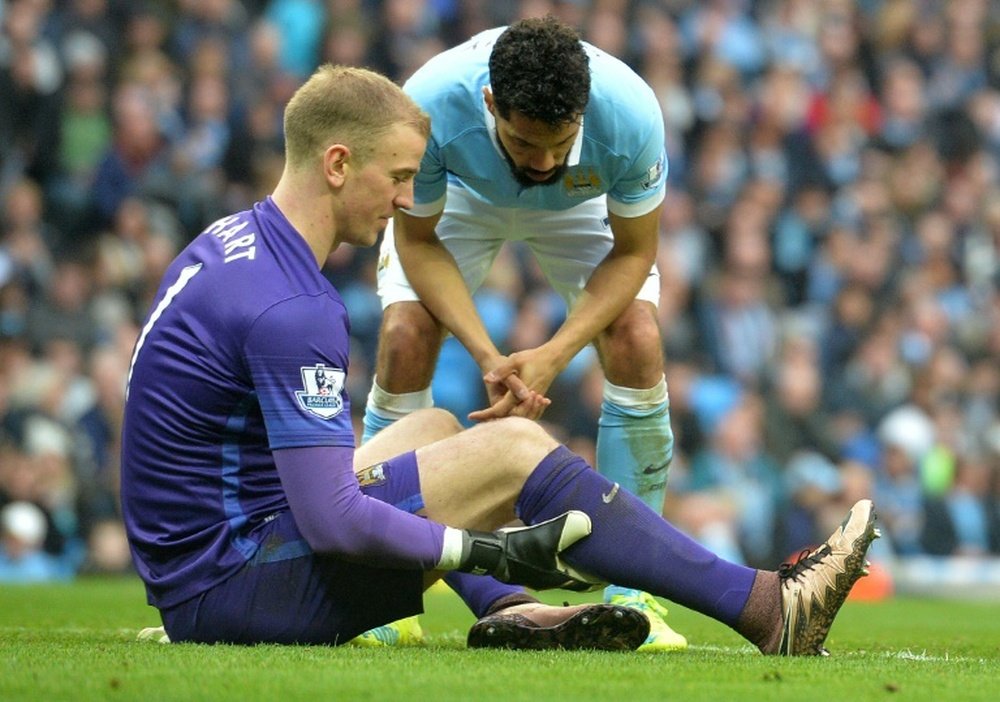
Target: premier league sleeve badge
(323, 390)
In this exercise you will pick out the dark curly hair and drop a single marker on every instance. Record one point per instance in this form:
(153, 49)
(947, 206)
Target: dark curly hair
(539, 68)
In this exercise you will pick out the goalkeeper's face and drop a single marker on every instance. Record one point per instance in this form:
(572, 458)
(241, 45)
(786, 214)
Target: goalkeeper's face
(371, 189)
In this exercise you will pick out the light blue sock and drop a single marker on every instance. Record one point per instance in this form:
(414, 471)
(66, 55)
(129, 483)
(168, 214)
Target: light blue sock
(384, 408)
(635, 443)
(374, 423)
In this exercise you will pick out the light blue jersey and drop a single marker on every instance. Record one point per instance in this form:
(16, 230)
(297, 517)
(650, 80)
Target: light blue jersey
(619, 151)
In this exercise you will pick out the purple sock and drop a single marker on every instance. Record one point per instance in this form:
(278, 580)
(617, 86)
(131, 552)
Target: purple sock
(479, 592)
(630, 544)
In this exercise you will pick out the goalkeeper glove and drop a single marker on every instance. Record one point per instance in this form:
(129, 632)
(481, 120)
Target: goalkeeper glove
(528, 555)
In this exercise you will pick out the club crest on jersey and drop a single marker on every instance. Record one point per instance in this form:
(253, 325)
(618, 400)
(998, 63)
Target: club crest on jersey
(582, 182)
(323, 387)
(372, 476)
(653, 175)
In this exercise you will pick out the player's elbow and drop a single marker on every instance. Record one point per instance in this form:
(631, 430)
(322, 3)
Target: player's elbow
(323, 541)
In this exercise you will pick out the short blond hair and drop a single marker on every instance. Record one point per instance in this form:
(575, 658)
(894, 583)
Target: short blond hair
(346, 105)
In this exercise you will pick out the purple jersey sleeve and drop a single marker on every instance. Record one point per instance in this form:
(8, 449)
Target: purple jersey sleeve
(335, 517)
(297, 352)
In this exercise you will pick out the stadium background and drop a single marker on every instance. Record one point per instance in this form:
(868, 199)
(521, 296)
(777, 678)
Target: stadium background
(830, 251)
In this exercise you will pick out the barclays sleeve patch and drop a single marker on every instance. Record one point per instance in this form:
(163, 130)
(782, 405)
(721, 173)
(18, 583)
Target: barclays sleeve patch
(323, 390)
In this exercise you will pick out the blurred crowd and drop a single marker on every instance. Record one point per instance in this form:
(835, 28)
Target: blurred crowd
(829, 255)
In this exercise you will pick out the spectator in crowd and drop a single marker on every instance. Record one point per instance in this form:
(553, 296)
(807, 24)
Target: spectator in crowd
(906, 435)
(811, 485)
(28, 241)
(22, 537)
(735, 479)
(965, 521)
(31, 75)
(738, 326)
(84, 131)
(137, 161)
(795, 417)
(300, 23)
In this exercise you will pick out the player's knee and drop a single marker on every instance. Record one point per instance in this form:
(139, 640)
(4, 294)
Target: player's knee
(407, 320)
(520, 428)
(437, 423)
(409, 341)
(523, 441)
(637, 324)
(632, 346)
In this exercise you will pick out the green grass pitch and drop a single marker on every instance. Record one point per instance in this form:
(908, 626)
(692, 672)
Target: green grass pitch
(77, 642)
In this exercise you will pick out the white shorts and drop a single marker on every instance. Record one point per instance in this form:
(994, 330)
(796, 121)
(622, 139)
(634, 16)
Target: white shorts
(567, 244)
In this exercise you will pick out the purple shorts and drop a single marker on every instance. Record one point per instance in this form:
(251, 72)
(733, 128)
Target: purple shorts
(287, 594)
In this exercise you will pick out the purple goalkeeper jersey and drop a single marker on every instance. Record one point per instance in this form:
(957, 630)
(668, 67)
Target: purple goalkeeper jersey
(245, 351)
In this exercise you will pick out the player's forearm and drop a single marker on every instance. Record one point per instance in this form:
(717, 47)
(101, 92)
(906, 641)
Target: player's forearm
(336, 518)
(611, 288)
(436, 279)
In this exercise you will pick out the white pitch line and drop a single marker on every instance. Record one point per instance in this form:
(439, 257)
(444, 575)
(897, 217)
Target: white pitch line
(923, 656)
(905, 655)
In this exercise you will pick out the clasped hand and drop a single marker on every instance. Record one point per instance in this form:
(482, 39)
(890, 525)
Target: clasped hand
(516, 387)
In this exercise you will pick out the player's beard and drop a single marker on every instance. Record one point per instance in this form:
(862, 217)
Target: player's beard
(520, 173)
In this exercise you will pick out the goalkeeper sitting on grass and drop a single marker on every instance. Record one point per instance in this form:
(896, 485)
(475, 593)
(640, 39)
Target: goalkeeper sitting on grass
(250, 514)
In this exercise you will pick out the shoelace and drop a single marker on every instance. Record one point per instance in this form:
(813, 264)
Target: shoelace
(646, 602)
(386, 634)
(649, 603)
(804, 562)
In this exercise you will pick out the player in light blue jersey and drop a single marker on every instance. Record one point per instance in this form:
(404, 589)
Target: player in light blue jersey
(540, 138)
